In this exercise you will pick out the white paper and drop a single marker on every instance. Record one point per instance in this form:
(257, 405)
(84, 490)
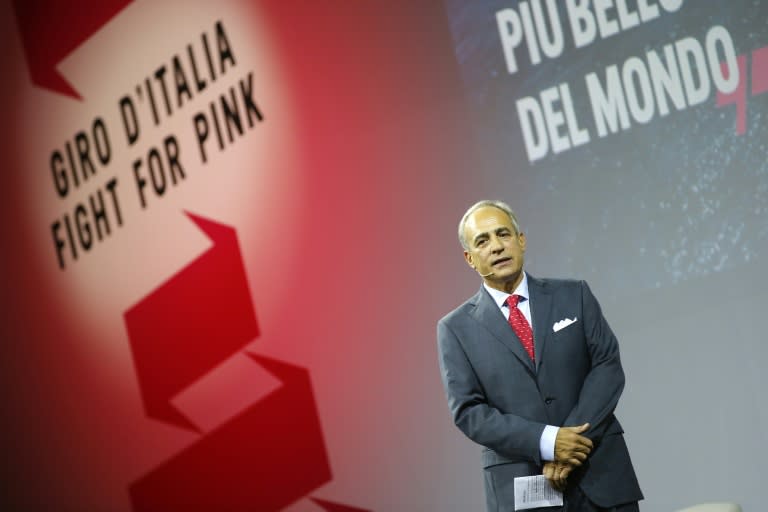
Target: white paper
(535, 491)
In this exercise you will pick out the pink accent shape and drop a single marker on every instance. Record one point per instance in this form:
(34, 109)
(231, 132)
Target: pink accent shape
(225, 392)
(760, 71)
(267, 457)
(191, 323)
(52, 30)
(738, 96)
(335, 507)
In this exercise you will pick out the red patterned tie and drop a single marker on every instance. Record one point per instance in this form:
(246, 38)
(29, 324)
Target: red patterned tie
(520, 325)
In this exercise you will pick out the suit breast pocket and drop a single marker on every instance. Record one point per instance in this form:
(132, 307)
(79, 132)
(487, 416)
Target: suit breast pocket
(569, 335)
(567, 350)
(570, 324)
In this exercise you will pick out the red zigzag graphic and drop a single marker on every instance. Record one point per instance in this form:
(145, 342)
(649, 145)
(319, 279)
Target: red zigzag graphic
(264, 458)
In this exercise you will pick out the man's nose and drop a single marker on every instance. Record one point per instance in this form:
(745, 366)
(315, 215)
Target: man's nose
(496, 245)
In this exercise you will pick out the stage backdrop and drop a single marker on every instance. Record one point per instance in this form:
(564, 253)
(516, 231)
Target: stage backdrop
(229, 230)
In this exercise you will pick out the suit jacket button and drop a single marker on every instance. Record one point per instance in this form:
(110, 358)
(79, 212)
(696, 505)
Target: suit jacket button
(548, 400)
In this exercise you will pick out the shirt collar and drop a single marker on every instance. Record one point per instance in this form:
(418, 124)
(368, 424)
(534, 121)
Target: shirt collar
(500, 298)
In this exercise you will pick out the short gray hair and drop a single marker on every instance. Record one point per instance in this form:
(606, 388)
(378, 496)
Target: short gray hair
(493, 203)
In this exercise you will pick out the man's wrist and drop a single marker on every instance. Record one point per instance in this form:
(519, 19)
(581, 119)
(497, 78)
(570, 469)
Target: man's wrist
(547, 443)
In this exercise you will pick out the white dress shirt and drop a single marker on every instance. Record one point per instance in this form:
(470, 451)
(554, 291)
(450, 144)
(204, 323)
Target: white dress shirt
(547, 441)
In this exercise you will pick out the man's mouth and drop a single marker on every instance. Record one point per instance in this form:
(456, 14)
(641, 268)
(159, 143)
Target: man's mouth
(501, 261)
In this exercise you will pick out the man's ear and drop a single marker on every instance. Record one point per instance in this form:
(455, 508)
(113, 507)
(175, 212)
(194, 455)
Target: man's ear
(468, 258)
(521, 240)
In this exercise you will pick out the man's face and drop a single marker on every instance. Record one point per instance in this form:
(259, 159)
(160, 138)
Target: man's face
(495, 248)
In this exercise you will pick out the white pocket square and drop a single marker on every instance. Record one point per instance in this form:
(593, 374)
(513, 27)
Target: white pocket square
(562, 324)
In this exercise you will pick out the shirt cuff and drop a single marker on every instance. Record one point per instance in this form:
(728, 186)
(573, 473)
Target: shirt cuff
(547, 443)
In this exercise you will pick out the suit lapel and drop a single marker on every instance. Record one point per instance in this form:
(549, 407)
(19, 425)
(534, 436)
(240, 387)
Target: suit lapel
(487, 313)
(541, 315)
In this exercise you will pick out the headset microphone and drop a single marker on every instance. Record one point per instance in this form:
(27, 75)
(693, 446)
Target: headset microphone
(486, 275)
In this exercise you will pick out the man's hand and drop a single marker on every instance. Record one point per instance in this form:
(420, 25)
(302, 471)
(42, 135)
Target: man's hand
(557, 474)
(571, 447)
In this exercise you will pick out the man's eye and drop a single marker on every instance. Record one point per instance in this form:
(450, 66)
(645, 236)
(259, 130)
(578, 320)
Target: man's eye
(481, 243)
(505, 235)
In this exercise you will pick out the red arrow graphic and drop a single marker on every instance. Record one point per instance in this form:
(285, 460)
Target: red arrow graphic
(738, 96)
(336, 507)
(191, 323)
(52, 30)
(263, 459)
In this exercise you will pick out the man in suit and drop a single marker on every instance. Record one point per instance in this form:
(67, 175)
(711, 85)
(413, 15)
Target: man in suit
(540, 405)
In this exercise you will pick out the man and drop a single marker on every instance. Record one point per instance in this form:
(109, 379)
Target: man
(534, 379)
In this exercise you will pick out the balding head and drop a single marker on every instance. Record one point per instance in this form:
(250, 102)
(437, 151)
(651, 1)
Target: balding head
(501, 205)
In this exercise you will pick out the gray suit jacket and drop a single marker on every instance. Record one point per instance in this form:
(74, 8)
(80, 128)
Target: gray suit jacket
(501, 400)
